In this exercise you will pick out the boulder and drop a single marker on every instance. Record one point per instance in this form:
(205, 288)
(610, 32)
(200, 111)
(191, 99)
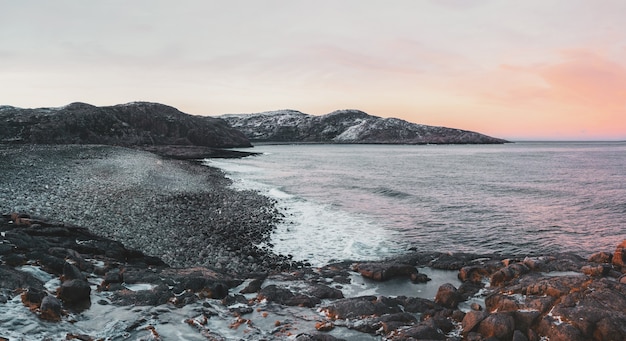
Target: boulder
(422, 331)
(600, 257)
(473, 273)
(498, 325)
(387, 322)
(447, 296)
(596, 270)
(11, 279)
(501, 302)
(274, 293)
(519, 336)
(472, 319)
(385, 271)
(252, 287)
(316, 337)
(71, 272)
(619, 257)
(323, 291)
(417, 304)
(358, 307)
(75, 292)
(50, 308)
(508, 273)
(32, 297)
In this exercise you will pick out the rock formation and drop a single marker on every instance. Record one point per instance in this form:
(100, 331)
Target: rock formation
(132, 124)
(347, 126)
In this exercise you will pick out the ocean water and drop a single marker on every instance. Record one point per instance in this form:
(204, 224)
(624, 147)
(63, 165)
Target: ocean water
(372, 201)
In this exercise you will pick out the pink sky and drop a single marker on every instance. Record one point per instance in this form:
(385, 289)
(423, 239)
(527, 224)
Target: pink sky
(511, 69)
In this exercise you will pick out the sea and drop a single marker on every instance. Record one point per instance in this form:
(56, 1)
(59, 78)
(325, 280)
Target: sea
(368, 202)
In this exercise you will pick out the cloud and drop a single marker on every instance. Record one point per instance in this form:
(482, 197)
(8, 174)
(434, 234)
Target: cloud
(586, 78)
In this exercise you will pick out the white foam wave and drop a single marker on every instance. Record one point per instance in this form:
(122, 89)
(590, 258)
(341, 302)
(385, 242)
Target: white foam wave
(317, 233)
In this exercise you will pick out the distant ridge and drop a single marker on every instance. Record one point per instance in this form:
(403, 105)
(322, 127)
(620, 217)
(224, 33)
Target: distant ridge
(347, 126)
(131, 124)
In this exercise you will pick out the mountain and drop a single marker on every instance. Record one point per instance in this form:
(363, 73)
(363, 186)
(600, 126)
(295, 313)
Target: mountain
(132, 124)
(347, 126)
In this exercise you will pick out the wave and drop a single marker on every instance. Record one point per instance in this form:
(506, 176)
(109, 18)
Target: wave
(390, 192)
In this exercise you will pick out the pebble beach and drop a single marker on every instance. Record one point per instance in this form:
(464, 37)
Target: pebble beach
(180, 211)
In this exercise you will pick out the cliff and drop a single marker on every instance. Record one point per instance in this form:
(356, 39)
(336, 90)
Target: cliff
(132, 124)
(347, 126)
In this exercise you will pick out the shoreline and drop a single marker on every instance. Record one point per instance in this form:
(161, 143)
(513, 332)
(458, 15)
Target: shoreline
(160, 234)
(175, 209)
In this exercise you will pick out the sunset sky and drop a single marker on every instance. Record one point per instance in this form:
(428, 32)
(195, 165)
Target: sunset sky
(535, 69)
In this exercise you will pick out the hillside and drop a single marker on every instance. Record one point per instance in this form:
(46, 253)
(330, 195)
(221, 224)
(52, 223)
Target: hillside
(132, 124)
(347, 126)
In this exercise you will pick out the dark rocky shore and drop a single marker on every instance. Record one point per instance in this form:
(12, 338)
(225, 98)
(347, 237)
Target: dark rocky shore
(88, 228)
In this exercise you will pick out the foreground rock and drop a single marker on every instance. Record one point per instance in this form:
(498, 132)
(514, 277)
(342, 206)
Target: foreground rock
(528, 298)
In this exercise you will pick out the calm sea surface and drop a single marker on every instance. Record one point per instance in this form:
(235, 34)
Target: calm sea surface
(372, 201)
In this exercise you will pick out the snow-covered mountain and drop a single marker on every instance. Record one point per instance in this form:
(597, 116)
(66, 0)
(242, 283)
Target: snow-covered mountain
(346, 126)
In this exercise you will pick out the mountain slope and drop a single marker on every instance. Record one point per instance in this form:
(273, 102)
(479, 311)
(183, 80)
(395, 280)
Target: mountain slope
(347, 126)
(132, 124)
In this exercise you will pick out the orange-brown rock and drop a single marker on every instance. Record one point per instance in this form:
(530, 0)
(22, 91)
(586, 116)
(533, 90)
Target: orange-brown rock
(619, 257)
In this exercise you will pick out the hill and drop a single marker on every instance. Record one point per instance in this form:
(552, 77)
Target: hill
(132, 124)
(347, 126)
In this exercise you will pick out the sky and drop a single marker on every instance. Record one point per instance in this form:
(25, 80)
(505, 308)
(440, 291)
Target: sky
(521, 70)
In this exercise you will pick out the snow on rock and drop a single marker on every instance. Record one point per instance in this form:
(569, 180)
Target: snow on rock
(346, 126)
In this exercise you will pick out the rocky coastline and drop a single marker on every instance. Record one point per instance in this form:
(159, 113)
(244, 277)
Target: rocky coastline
(145, 237)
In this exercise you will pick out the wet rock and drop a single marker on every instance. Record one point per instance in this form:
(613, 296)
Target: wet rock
(12, 279)
(473, 273)
(71, 272)
(316, 337)
(5, 248)
(601, 257)
(75, 292)
(112, 276)
(322, 291)
(472, 319)
(252, 287)
(417, 304)
(540, 303)
(525, 319)
(552, 286)
(324, 326)
(51, 264)
(422, 331)
(498, 325)
(154, 297)
(596, 309)
(501, 302)
(50, 308)
(619, 257)
(392, 322)
(32, 297)
(519, 336)
(356, 307)
(15, 260)
(556, 330)
(385, 271)
(596, 270)
(447, 296)
(274, 293)
(387, 323)
(508, 273)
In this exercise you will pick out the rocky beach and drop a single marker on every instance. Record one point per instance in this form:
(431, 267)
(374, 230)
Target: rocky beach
(108, 243)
